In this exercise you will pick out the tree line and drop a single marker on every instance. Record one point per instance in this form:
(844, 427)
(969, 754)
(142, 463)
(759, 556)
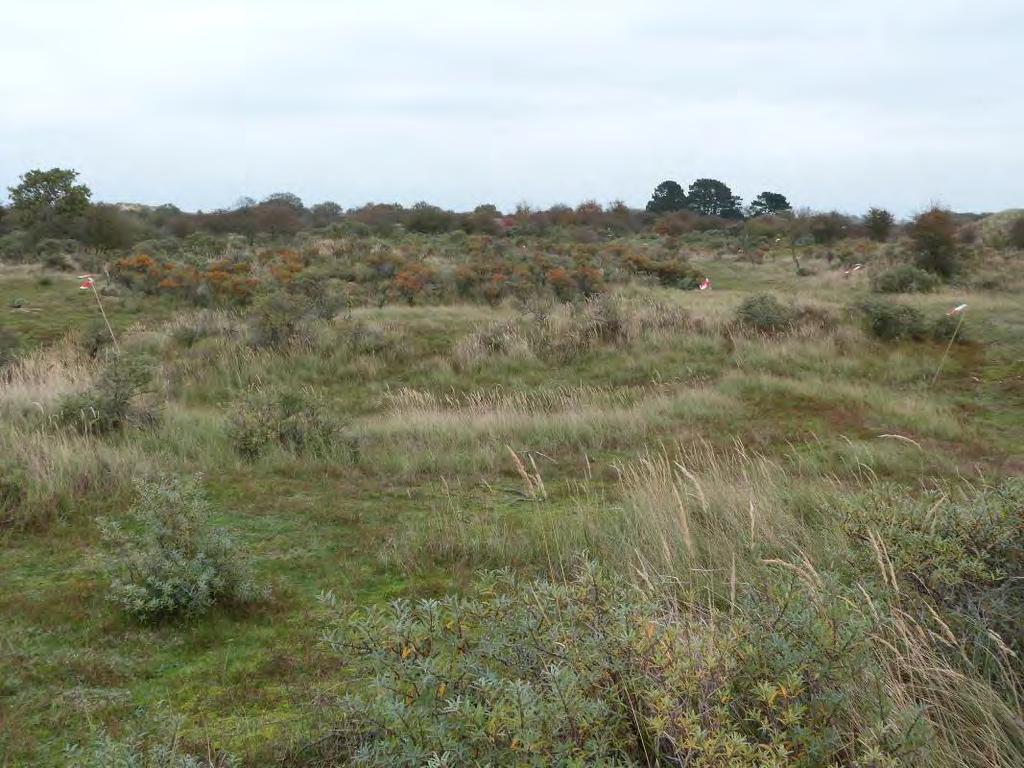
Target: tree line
(54, 205)
(711, 197)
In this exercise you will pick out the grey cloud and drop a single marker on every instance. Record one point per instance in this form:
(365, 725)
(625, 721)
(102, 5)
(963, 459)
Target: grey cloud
(839, 104)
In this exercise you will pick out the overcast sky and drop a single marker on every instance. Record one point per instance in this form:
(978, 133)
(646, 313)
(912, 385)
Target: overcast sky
(836, 104)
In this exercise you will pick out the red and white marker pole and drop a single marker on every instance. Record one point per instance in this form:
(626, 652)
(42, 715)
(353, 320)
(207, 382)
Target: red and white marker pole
(89, 283)
(959, 309)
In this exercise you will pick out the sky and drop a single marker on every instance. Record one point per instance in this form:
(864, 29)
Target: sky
(837, 104)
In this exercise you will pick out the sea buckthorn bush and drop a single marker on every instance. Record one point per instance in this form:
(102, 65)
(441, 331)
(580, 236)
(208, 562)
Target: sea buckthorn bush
(170, 560)
(593, 671)
(963, 552)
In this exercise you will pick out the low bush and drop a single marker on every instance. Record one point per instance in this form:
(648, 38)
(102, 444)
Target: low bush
(326, 298)
(944, 328)
(170, 561)
(590, 671)
(94, 338)
(106, 751)
(904, 279)
(892, 322)
(276, 318)
(113, 401)
(765, 314)
(295, 421)
(1016, 233)
(160, 746)
(670, 273)
(965, 552)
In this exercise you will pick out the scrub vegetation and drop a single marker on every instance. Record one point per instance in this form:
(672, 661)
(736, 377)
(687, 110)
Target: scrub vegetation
(402, 486)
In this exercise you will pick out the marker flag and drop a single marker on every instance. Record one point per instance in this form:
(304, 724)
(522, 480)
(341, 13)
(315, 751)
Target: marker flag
(957, 309)
(706, 285)
(87, 282)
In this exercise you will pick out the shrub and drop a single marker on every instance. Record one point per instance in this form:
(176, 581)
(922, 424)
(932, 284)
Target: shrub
(294, 421)
(966, 554)
(324, 295)
(943, 329)
(106, 751)
(670, 273)
(55, 253)
(878, 223)
(826, 228)
(276, 318)
(429, 219)
(172, 561)
(563, 332)
(94, 338)
(934, 235)
(813, 317)
(15, 246)
(674, 224)
(764, 313)
(904, 279)
(1016, 233)
(112, 402)
(362, 338)
(589, 671)
(413, 281)
(892, 322)
(969, 234)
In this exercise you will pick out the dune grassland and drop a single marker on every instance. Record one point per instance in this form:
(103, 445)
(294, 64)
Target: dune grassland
(516, 492)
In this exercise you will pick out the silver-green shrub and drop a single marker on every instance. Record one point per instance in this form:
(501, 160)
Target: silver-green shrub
(594, 671)
(170, 561)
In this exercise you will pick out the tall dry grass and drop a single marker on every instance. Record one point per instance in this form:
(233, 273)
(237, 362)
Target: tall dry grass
(35, 382)
(561, 332)
(455, 433)
(47, 475)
